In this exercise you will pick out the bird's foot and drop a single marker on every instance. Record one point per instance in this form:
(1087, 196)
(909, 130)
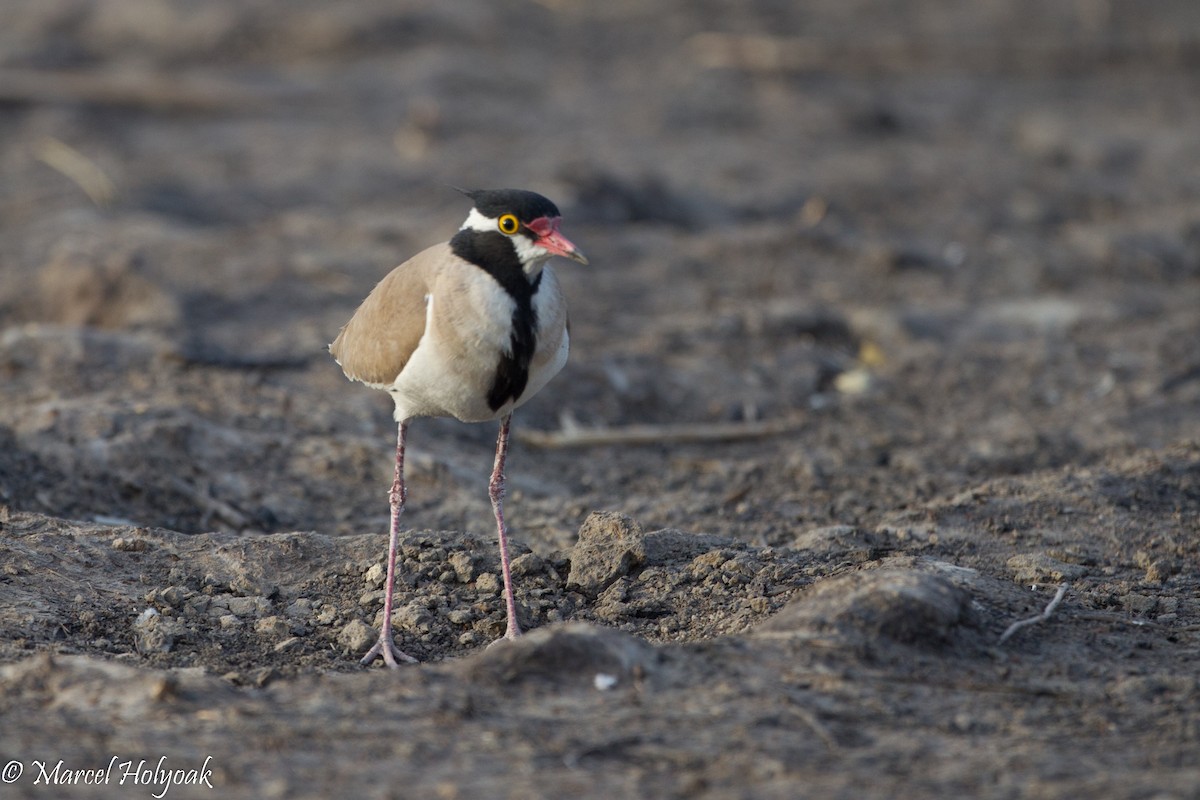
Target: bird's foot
(392, 655)
(511, 635)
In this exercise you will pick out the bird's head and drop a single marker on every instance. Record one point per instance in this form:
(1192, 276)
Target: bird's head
(525, 220)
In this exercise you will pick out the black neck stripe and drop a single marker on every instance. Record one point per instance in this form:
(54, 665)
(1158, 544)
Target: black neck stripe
(494, 253)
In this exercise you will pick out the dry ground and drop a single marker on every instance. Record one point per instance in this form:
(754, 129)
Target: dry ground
(907, 294)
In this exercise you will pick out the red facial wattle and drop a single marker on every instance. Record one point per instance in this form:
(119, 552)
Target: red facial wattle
(549, 239)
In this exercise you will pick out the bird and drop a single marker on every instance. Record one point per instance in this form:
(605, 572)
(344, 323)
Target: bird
(470, 329)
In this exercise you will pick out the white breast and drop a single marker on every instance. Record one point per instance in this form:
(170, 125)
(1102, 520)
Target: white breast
(450, 375)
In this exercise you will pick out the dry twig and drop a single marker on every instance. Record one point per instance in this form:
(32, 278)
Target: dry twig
(1042, 617)
(86, 174)
(144, 90)
(660, 434)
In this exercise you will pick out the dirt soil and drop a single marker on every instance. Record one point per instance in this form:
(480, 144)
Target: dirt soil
(890, 339)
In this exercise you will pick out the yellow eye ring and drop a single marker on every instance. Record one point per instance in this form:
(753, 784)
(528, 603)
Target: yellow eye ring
(508, 223)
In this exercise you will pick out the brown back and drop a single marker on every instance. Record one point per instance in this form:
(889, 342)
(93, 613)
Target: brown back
(383, 333)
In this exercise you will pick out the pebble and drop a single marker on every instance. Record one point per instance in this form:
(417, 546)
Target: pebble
(375, 576)
(413, 616)
(356, 636)
(255, 606)
(272, 626)
(288, 645)
(463, 566)
(1041, 568)
(155, 634)
(1139, 603)
(461, 616)
(175, 596)
(488, 583)
(610, 546)
(127, 545)
(301, 608)
(248, 587)
(527, 564)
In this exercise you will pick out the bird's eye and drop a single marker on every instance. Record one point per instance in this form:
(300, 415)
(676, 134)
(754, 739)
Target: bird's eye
(508, 223)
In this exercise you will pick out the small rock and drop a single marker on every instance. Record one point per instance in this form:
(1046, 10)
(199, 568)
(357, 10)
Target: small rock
(1041, 568)
(288, 645)
(261, 677)
(671, 545)
(1139, 603)
(903, 605)
(461, 616)
(527, 564)
(463, 566)
(272, 626)
(431, 555)
(153, 633)
(375, 576)
(229, 622)
(300, 608)
(604, 681)
(413, 617)
(565, 655)
(249, 606)
(198, 603)
(488, 583)
(610, 546)
(707, 563)
(610, 604)
(126, 545)
(1157, 569)
(327, 615)
(247, 587)
(175, 596)
(356, 636)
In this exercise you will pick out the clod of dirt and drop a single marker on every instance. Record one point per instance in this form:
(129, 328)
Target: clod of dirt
(75, 288)
(356, 636)
(82, 685)
(610, 545)
(571, 654)
(1041, 568)
(846, 539)
(669, 545)
(154, 633)
(902, 605)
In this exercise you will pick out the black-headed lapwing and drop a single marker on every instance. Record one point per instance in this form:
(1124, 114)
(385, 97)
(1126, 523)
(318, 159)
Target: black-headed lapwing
(470, 328)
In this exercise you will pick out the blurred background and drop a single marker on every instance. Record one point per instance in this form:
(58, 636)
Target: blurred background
(881, 250)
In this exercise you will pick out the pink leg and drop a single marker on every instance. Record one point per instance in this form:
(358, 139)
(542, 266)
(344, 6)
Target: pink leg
(496, 492)
(399, 494)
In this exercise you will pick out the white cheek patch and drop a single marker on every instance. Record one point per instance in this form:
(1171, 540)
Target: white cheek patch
(478, 222)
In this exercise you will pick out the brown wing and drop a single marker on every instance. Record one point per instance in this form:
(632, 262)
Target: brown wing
(383, 333)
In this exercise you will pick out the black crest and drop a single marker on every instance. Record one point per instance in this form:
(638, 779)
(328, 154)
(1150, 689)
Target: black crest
(528, 206)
